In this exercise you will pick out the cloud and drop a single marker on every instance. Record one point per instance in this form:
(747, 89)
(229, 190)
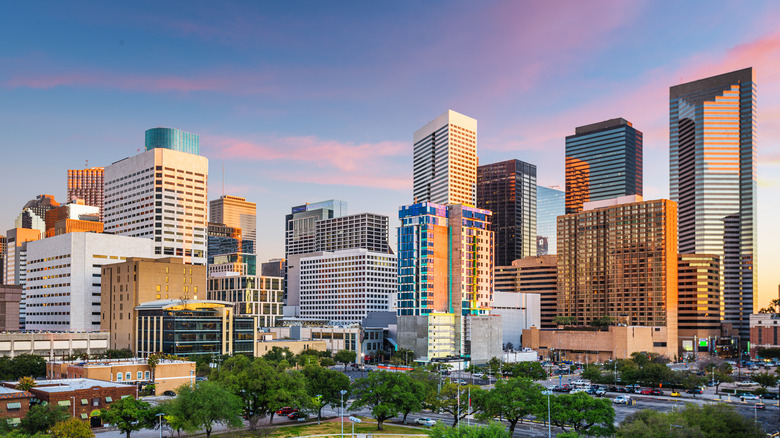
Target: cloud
(312, 159)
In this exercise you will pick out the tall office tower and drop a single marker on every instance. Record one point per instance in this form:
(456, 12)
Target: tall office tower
(33, 215)
(235, 211)
(223, 239)
(532, 275)
(300, 229)
(64, 275)
(15, 262)
(700, 286)
(603, 161)
(160, 194)
(508, 189)
(87, 184)
(550, 203)
(2, 259)
(712, 176)
(363, 230)
(344, 285)
(445, 271)
(174, 139)
(127, 284)
(73, 217)
(618, 258)
(445, 160)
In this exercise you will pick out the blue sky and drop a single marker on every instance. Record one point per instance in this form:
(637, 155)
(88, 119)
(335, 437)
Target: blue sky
(305, 101)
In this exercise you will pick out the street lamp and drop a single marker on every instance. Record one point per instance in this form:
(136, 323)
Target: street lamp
(343, 391)
(319, 407)
(74, 406)
(549, 418)
(160, 415)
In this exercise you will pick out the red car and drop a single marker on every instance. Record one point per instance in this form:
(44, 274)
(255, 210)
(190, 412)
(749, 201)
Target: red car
(646, 391)
(657, 392)
(286, 411)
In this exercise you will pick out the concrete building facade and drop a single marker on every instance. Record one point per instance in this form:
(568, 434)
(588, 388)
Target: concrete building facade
(89, 185)
(700, 296)
(237, 212)
(53, 345)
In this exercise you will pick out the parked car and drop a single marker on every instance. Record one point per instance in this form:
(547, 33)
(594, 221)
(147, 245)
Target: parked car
(422, 420)
(601, 392)
(169, 393)
(656, 391)
(576, 390)
(646, 391)
(746, 396)
(675, 393)
(694, 391)
(771, 396)
(286, 411)
(622, 400)
(760, 405)
(747, 383)
(479, 375)
(613, 389)
(297, 415)
(430, 422)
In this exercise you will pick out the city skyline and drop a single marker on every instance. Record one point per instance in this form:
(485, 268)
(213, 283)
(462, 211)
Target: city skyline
(296, 107)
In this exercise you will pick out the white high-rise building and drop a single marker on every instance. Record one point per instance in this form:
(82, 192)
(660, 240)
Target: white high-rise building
(445, 160)
(63, 277)
(160, 194)
(345, 285)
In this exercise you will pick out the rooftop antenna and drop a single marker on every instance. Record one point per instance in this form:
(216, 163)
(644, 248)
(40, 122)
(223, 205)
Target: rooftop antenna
(223, 170)
(86, 164)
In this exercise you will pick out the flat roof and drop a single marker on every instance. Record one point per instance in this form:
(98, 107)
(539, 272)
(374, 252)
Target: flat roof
(65, 385)
(119, 362)
(13, 393)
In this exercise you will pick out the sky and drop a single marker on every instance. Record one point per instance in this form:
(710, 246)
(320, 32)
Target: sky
(307, 101)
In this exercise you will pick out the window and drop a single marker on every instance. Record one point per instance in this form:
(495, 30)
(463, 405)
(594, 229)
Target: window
(118, 377)
(95, 402)
(146, 375)
(127, 376)
(140, 375)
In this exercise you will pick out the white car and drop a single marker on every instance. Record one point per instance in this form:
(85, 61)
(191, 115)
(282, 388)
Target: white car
(622, 400)
(425, 421)
(479, 375)
(576, 390)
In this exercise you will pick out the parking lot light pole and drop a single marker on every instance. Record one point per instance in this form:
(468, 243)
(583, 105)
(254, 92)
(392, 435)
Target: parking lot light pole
(343, 391)
(319, 407)
(549, 419)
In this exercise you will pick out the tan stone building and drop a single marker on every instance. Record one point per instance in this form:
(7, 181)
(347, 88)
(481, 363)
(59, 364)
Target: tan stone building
(166, 375)
(268, 341)
(533, 275)
(124, 286)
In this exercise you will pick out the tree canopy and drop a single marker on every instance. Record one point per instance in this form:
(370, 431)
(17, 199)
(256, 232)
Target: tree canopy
(383, 392)
(512, 400)
(128, 415)
(583, 413)
(707, 421)
(207, 404)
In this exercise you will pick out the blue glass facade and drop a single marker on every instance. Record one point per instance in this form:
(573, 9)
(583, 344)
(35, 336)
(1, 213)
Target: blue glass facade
(550, 203)
(171, 138)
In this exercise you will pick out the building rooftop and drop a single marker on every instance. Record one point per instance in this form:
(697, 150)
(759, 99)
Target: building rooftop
(13, 393)
(119, 362)
(164, 304)
(65, 385)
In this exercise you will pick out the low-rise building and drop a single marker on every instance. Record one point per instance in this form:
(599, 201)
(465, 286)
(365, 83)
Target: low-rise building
(84, 398)
(53, 345)
(764, 328)
(14, 404)
(166, 375)
(268, 341)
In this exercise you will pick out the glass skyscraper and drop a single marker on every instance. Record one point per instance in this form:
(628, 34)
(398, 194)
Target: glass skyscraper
(508, 189)
(172, 138)
(712, 176)
(550, 203)
(603, 161)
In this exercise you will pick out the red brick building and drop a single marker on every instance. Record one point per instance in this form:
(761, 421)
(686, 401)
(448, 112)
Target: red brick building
(14, 404)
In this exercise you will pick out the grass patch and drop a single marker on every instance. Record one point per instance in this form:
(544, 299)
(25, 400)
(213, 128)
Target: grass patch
(331, 428)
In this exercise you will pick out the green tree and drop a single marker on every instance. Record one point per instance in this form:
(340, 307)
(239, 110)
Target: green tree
(415, 394)
(326, 383)
(707, 421)
(71, 428)
(41, 418)
(721, 372)
(494, 365)
(382, 391)
(22, 365)
(279, 354)
(512, 400)
(772, 307)
(209, 403)
(128, 415)
(565, 320)
(327, 362)
(592, 373)
(765, 379)
(531, 370)
(603, 321)
(768, 353)
(26, 383)
(454, 400)
(492, 430)
(403, 356)
(345, 357)
(583, 413)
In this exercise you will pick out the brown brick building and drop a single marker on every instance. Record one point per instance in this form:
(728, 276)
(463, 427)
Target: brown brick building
(124, 286)
(10, 296)
(14, 404)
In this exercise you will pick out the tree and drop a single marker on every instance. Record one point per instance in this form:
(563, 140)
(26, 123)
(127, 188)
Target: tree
(41, 418)
(532, 370)
(22, 365)
(512, 400)
(327, 362)
(603, 321)
(565, 320)
(765, 379)
(345, 357)
(71, 428)
(768, 353)
(415, 394)
(707, 421)
(583, 413)
(402, 356)
(494, 365)
(279, 354)
(721, 372)
(207, 404)
(772, 307)
(454, 400)
(592, 373)
(26, 383)
(128, 415)
(492, 430)
(325, 383)
(382, 391)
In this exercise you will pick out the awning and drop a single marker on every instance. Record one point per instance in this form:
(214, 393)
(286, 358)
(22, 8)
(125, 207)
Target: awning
(109, 399)
(390, 340)
(63, 403)
(13, 421)
(84, 401)
(84, 416)
(14, 406)
(125, 396)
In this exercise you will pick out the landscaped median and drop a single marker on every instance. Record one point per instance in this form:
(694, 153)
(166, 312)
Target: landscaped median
(331, 428)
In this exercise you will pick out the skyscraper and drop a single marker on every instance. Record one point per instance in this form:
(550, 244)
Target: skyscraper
(235, 211)
(445, 160)
(300, 229)
(712, 176)
(550, 203)
(172, 138)
(508, 189)
(160, 194)
(87, 184)
(603, 161)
